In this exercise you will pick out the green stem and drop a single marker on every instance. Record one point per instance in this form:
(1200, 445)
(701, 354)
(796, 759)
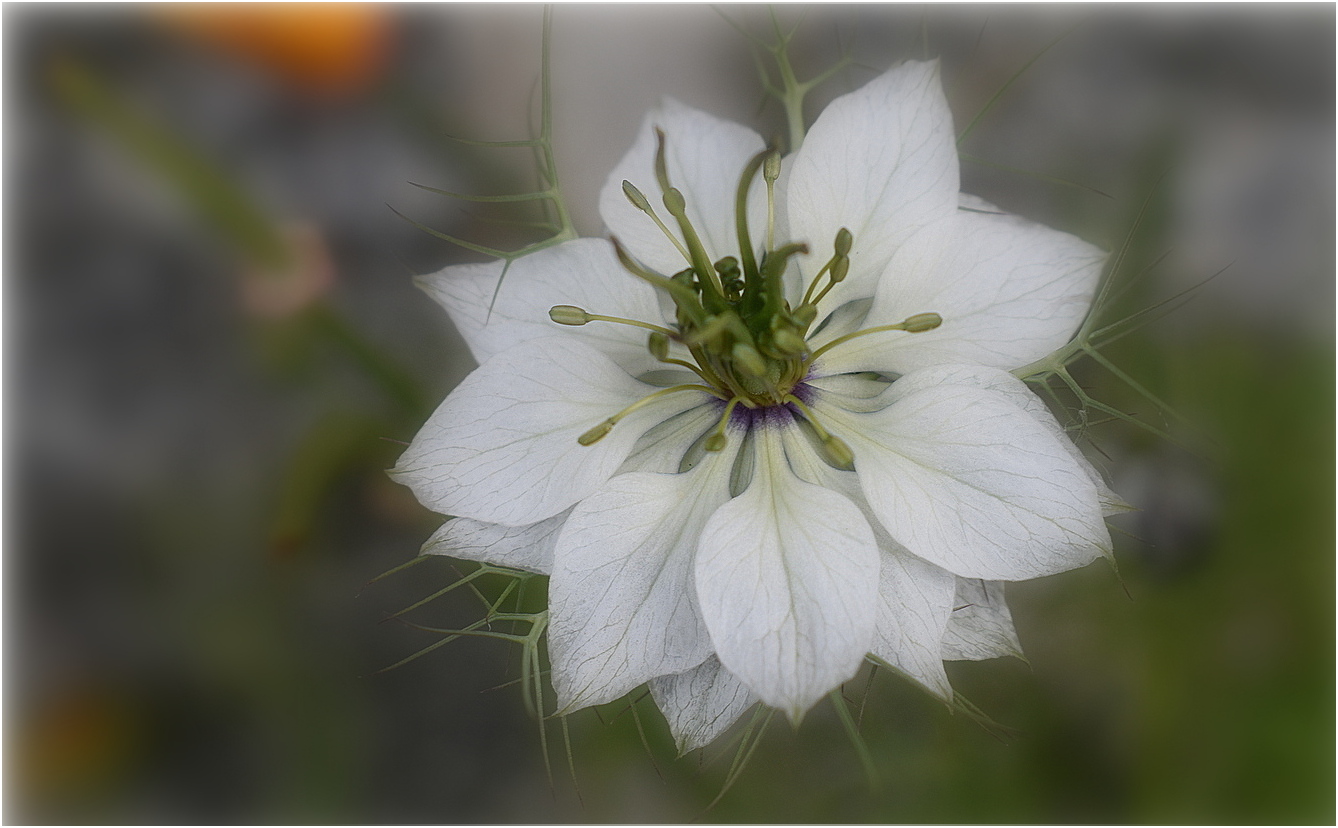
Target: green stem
(397, 384)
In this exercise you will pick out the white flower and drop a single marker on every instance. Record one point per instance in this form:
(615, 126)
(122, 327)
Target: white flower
(815, 454)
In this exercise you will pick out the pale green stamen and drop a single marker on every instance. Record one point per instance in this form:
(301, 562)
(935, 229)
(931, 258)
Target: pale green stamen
(575, 317)
(836, 267)
(717, 440)
(642, 203)
(840, 452)
(598, 433)
(919, 323)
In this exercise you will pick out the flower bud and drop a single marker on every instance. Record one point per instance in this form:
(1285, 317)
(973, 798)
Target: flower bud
(568, 315)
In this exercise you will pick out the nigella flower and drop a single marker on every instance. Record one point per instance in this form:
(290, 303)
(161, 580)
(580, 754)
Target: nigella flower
(769, 429)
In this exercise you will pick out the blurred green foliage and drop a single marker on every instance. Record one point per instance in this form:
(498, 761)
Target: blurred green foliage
(193, 641)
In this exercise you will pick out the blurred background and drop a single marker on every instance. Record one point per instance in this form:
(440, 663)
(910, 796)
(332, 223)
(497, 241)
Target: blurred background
(214, 350)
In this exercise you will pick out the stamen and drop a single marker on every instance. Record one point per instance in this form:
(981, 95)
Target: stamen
(840, 452)
(718, 440)
(598, 433)
(837, 267)
(835, 276)
(919, 323)
(640, 202)
(658, 345)
(575, 317)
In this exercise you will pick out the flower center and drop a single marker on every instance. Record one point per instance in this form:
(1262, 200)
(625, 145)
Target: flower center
(732, 315)
(747, 343)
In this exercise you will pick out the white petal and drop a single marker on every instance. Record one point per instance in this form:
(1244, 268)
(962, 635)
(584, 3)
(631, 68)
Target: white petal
(503, 446)
(706, 156)
(519, 547)
(1020, 395)
(1009, 291)
(495, 312)
(664, 448)
(980, 626)
(914, 603)
(700, 704)
(621, 604)
(787, 578)
(970, 482)
(881, 162)
(914, 596)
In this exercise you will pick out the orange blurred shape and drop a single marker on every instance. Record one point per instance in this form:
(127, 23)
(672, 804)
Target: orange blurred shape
(326, 49)
(72, 743)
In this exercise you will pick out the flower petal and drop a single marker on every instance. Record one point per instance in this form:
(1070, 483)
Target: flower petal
(914, 604)
(980, 626)
(494, 312)
(664, 448)
(503, 446)
(700, 704)
(881, 162)
(705, 158)
(519, 547)
(787, 578)
(1018, 394)
(915, 597)
(970, 482)
(621, 603)
(1010, 292)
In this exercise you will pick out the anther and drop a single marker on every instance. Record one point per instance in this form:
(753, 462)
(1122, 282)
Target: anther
(921, 322)
(843, 242)
(771, 167)
(597, 433)
(658, 344)
(840, 267)
(635, 196)
(568, 315)
(718, 440)
(839, 451)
